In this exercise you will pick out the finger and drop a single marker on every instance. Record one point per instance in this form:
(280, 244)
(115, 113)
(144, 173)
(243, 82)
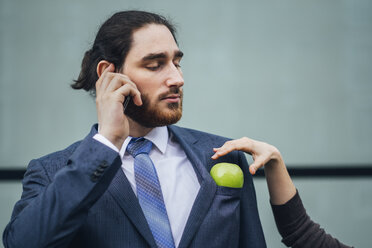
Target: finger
(136, 94)
(137, 99)
(130, 90)
(227, 147)
(258, 163)
(252, 170)
(110, 83)
(106, 80)
(119, 80)
(103, 82)
(110, 68)
(105, 77)
(255, 166)
(242, 144)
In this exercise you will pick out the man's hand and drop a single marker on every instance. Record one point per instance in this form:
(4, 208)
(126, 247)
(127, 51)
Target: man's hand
(261, 152)
(111, 90)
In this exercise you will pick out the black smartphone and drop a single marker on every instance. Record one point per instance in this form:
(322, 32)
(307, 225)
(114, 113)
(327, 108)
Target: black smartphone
(126, 101)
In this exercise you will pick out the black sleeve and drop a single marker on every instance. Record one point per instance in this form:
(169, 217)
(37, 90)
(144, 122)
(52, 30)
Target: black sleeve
(298, 230)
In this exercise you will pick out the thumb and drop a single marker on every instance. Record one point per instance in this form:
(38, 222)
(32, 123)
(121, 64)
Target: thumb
(252, 169)
(258, 163)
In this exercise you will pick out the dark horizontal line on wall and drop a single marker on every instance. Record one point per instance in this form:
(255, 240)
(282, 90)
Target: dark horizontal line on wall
(12, 174)
(294, 171)
(327, 171)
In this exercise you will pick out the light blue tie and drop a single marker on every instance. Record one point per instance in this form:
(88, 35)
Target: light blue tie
(149, 192)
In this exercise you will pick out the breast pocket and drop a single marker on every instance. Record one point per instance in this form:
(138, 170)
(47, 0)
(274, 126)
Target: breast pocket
(227, 206)
(227, 191)
(221, 225)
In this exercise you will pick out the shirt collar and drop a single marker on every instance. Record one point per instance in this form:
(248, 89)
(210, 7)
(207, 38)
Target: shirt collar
(158, 136)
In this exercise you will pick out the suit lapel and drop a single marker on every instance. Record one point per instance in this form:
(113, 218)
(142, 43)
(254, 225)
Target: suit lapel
(123, 194)
(196, 154)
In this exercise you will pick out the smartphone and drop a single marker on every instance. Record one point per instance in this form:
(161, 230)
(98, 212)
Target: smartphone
(126, 101)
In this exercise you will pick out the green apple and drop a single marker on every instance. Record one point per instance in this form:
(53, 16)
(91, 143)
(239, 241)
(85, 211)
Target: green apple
(227, 175)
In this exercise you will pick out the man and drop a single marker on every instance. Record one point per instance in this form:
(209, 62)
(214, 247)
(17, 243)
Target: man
(102, 192)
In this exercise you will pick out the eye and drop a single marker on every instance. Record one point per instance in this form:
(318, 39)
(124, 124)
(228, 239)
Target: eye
(154, 66)
(177, 64)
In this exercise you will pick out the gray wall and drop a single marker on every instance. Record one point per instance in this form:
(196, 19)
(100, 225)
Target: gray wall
(296, 74)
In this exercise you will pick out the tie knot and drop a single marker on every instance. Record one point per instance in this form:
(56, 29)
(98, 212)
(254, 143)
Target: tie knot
(139, 145)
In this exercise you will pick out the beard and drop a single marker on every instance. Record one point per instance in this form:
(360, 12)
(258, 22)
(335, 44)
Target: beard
(151, 116)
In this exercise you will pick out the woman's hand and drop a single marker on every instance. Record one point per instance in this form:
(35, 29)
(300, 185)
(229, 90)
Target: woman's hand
(279, 182)
(261, 152)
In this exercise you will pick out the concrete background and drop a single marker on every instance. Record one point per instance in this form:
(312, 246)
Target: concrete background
(296, 74)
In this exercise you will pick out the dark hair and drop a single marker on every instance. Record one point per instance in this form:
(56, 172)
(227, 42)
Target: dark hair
(113, 42)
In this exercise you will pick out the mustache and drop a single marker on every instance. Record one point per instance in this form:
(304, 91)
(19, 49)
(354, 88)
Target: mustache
(172, 91)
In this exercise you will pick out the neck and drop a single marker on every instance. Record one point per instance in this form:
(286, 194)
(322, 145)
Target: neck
(137, 130)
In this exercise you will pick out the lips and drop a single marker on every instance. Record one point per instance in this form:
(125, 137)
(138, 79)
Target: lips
(172, 98)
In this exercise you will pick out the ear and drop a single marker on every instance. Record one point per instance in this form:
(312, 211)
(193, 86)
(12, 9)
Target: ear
(102, 65)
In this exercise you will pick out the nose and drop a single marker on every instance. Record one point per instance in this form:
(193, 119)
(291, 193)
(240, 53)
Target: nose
(175, 77)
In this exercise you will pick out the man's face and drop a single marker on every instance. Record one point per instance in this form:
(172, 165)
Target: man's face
(153, 65)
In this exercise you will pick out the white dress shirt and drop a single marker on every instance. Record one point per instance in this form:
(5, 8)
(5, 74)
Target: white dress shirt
(176, 174)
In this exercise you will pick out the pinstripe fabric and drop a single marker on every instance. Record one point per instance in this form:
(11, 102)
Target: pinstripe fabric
(149, 192)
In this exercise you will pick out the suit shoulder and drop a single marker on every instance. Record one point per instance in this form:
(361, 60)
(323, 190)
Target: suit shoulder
(66, 153)
(54, 161)
(60, 154)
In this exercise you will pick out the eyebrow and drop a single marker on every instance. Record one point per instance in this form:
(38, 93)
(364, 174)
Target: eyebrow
(152, 56)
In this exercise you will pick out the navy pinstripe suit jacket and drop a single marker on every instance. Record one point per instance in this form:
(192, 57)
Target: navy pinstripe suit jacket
(79, 197)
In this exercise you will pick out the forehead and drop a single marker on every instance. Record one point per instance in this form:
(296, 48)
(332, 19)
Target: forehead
(152, 38)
